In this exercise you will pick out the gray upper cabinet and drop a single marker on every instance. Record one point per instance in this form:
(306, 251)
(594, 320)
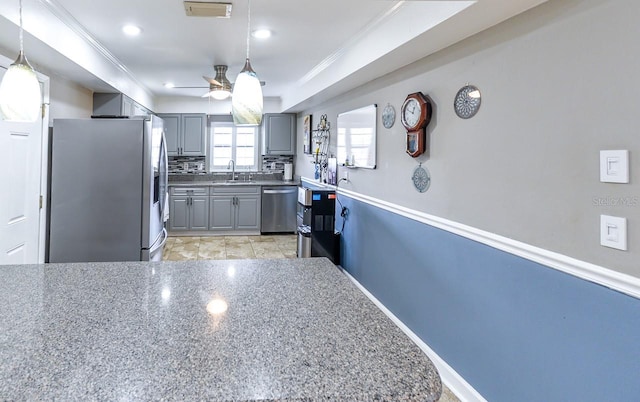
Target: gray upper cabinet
(194, 128)
(185, 133)
(117, 104)
(171, 132)
(279, 134)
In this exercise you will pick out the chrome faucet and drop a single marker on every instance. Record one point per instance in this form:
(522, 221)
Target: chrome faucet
(232, 164)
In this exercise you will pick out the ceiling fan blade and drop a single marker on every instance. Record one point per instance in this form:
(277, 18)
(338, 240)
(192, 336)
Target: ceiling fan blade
(212, 80)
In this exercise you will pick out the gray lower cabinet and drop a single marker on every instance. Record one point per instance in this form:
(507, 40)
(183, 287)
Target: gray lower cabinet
(234, 208)
(189, 209)
(222, 210)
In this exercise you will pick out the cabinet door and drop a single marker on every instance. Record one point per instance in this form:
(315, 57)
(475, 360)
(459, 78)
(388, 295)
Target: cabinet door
(127, 106)
(171, 132)
(221, 213)
(194, 134)
(108, 104)
(199, 213)
(178, 213)
(279, 134)
(248, 212)
(139, 110)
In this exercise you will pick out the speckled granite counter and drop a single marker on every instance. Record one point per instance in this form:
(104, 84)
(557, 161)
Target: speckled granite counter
(221, 180)
(292, 330)
(237, 183)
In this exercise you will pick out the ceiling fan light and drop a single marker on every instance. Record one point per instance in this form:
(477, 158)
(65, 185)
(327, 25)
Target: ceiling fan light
(20, 92)
(247, 104)
(261, 34)
(218, 94)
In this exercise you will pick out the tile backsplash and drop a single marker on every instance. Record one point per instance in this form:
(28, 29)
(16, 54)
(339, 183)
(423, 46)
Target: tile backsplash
(187, 164)
(197, 164)
(275, 163)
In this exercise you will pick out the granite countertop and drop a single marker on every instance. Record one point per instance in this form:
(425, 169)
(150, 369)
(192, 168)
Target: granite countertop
(292, 330)
(236, 183)
(222, 180)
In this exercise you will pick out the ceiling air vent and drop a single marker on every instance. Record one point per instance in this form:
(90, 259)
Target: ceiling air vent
(207, 9)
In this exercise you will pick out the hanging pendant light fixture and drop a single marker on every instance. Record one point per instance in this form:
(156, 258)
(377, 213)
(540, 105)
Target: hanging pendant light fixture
(246, 104)
(20, 90)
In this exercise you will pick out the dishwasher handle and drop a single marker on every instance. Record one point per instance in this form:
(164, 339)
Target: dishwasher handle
(274, 191)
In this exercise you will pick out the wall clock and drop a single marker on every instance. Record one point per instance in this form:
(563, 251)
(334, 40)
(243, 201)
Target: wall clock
(467, 101)
(388, 116)
(415, 115)
(421, 178)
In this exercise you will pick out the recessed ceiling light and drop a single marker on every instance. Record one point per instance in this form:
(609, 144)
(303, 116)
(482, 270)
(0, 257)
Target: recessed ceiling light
(169, 85)
(131, 30)
(261, 33)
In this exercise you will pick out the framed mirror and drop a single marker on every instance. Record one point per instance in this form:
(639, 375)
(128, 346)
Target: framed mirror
(357, 137)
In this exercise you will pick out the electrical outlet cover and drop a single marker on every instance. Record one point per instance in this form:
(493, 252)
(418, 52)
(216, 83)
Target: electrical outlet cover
(614, 166)
(613, 232)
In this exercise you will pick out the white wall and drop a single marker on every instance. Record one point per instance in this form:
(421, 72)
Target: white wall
(69, 100)
(558, 85)
(191, 104)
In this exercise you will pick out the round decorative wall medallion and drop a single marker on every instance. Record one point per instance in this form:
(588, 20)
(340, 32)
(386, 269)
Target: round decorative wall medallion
(388, 116)
(421, 178)
(467, 102)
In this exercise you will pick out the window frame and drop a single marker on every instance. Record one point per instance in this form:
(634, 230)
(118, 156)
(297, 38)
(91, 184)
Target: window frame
(234, 146)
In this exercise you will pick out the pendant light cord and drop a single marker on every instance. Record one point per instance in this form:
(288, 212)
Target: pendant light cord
(21, 34)
(248, 26)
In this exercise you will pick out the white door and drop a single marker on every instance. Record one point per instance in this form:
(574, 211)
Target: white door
(20, 170)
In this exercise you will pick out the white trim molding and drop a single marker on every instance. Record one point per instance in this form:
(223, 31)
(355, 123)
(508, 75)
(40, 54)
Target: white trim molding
(454, 381)
(609, 278)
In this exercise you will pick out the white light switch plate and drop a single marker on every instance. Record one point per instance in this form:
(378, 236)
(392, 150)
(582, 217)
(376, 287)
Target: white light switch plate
(614, 166)
(613, 232)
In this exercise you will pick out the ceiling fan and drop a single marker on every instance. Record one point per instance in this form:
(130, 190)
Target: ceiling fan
(219, 87)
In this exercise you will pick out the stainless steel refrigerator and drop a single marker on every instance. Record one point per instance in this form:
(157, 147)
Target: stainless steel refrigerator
(108, 184)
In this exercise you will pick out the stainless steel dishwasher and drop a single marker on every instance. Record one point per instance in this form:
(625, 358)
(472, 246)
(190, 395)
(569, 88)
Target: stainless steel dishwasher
(279, 205)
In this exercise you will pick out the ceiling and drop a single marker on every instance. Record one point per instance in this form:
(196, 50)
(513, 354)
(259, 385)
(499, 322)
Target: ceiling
(318, 49)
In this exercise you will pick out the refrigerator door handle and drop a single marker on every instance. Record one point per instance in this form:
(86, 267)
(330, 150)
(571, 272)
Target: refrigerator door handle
(155, 253)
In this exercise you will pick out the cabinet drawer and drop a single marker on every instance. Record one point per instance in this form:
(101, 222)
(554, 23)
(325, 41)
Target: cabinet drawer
(215, 190)
(190, 190)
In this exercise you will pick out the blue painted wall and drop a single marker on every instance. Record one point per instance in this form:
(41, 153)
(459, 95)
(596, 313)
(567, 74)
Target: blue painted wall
(514, 329)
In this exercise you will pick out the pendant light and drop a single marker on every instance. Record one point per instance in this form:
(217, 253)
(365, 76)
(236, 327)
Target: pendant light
(20, 90)
(246, 104)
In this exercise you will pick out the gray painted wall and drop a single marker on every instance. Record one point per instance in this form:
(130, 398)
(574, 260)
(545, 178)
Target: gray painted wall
(558, 85)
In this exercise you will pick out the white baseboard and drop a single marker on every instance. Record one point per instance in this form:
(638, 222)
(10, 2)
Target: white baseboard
(462, 389)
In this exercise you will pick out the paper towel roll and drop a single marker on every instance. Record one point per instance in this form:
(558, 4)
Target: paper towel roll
(288, 171)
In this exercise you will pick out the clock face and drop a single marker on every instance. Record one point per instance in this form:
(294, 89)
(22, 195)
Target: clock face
(467, 102)
(388, 116)
(421, 179)
(411, 111)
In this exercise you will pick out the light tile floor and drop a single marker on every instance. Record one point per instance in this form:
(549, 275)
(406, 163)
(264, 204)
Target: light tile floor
(243, 247)
(229, 247)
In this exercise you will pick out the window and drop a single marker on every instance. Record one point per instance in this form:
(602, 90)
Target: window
(228, 142)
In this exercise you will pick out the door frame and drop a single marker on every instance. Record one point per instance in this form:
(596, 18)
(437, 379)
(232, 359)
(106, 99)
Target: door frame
(45, 81)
